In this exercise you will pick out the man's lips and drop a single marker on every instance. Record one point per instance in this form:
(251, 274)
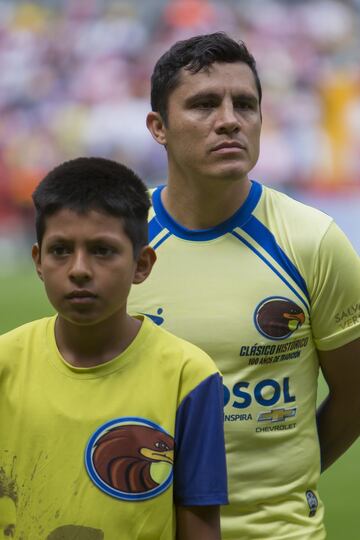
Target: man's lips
(228, 145)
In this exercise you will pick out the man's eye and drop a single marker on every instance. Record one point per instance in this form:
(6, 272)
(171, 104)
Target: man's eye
(205, 105)
(244, 105)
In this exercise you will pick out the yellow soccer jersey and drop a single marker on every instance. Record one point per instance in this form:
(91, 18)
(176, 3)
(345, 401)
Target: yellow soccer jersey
(260, 293)
(101, 453)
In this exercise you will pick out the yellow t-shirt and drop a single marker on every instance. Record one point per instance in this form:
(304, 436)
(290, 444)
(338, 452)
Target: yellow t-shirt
(103, 452)
(260, 293)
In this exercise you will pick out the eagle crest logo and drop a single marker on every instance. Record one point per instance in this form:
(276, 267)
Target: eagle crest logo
(120, 458)
(277, 317)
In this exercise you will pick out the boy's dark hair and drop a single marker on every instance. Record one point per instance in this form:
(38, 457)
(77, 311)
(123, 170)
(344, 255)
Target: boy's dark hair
(195, 54)
(91, 183)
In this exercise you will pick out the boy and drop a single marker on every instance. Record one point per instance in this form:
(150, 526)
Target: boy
(106, 419)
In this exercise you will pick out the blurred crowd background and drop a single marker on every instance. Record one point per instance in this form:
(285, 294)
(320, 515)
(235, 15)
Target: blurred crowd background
(75, 81)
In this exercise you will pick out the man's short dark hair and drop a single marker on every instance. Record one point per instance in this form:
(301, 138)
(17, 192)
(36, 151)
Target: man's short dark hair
(92, 183)
(195, 54)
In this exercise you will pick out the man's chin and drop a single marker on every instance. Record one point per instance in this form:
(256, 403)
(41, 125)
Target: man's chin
(230, 174)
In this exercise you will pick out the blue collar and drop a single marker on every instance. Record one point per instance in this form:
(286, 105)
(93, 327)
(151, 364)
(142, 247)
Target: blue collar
(236, 220)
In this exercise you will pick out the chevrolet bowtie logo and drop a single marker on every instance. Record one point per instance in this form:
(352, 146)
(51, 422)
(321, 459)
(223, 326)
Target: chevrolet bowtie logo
(277, 415)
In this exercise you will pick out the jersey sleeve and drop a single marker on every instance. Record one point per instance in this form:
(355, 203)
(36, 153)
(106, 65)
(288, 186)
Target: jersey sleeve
(335, 314)
(200, 464)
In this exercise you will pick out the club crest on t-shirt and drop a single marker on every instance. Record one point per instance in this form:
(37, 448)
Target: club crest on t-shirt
(277, 317)
(130, 458)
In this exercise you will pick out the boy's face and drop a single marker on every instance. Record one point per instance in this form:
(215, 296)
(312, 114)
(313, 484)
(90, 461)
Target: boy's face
(87, 265)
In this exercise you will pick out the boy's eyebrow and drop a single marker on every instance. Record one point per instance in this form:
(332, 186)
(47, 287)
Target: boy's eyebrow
(56, 237)
(106, 237)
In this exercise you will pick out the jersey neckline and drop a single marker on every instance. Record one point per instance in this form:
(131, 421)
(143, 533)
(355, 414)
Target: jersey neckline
(106, 368)
(236, 220)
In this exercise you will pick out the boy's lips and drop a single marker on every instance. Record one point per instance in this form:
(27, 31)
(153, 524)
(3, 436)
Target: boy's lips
(80, 296)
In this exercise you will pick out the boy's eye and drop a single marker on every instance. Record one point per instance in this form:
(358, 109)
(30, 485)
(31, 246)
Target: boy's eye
(59, 250)
(103, 251)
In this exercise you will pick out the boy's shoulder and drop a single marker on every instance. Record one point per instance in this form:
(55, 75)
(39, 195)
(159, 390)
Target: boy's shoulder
(183, 350)
(174, 353)
(30, 334)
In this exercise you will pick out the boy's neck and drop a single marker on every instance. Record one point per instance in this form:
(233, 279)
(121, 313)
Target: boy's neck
(92, 345)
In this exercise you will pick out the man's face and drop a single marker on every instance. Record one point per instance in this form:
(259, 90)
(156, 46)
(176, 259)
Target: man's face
(7, 518)
(213, 123)
(87, 265)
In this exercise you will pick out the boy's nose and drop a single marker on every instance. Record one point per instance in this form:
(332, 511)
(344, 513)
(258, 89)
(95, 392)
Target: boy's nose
(80, 269)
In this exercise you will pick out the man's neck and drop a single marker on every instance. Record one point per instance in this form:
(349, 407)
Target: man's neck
(92, 345)
(202, 205)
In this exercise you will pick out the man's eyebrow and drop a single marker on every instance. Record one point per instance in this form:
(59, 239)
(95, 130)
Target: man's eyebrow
(248, 96)
(205, 94)
(209, 94)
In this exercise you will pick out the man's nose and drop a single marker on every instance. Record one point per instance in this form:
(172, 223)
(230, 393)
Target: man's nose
(80, 268)
(227, 121)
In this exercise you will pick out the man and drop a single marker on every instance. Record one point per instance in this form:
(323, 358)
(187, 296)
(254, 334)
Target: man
(269, 287)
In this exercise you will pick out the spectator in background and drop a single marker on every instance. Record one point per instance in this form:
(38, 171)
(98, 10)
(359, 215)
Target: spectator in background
(71, 70)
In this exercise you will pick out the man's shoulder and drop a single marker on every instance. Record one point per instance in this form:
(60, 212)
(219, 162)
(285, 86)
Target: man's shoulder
(291, 221)
(286, 206)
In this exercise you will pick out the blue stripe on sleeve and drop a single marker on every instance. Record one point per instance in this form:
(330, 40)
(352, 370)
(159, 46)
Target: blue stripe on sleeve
(266, 239)
(200, 464)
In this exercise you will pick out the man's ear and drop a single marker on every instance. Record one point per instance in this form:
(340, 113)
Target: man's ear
(36, 256)
(156, 126)
(144, 263)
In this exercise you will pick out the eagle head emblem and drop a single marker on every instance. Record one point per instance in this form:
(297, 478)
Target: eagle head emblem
(119, 458)
(277, 317)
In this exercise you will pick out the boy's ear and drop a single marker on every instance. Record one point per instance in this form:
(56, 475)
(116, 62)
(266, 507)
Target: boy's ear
(35, 252)
(144, 263)
(156, 126)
